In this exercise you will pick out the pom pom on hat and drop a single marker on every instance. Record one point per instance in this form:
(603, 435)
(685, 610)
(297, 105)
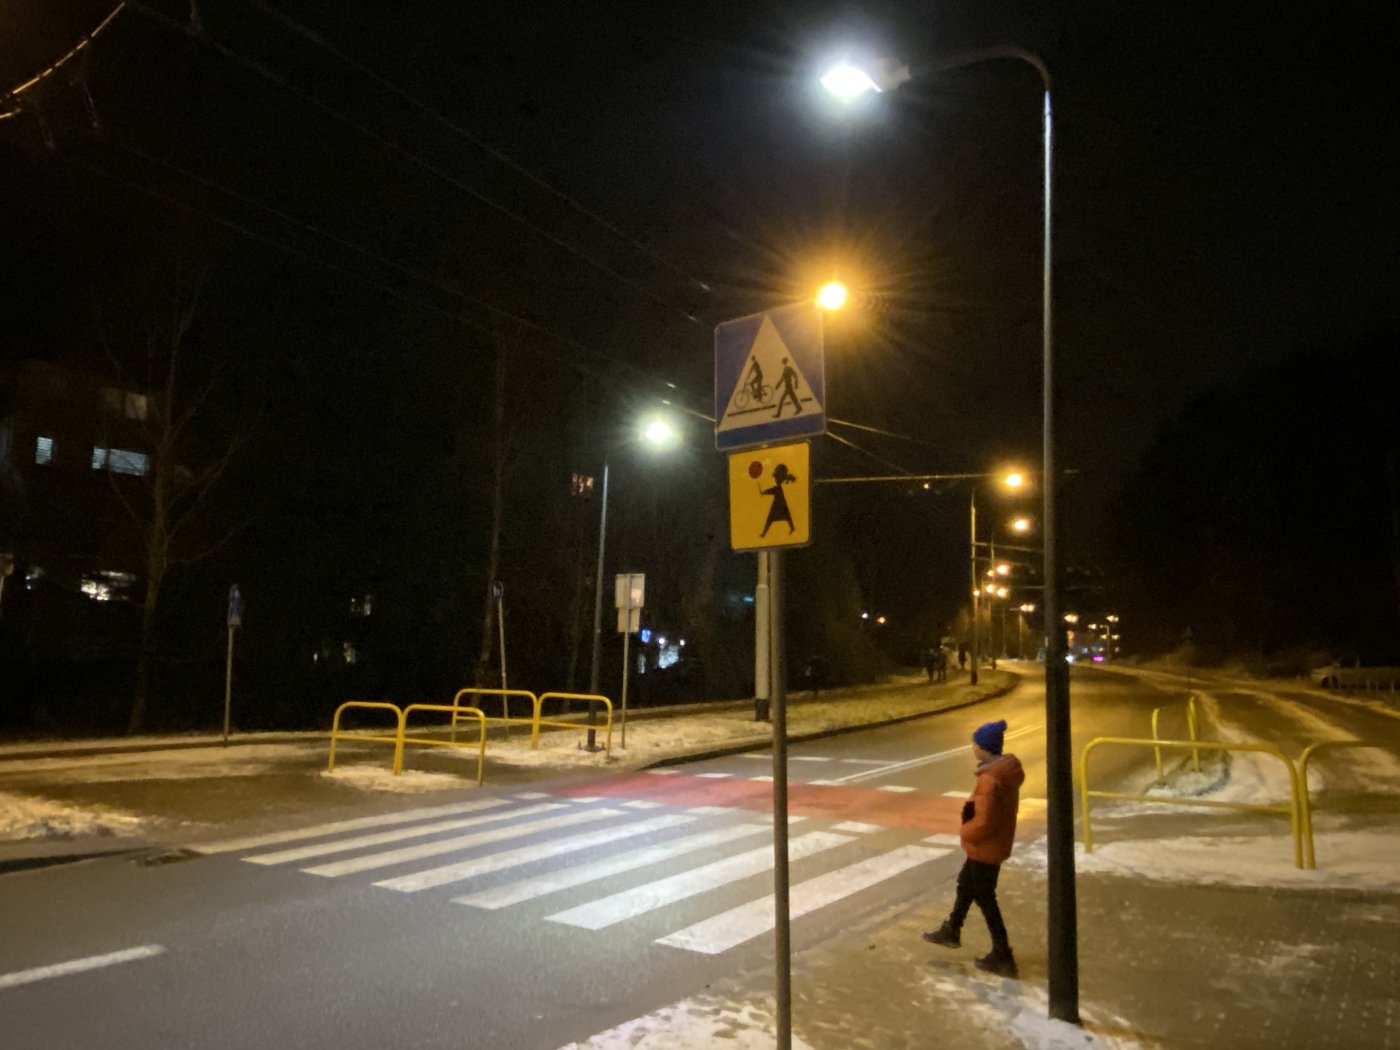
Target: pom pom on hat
(989, 736)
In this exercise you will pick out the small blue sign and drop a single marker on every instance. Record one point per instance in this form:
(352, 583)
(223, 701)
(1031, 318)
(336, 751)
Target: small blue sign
(770, 377)
(235, 606)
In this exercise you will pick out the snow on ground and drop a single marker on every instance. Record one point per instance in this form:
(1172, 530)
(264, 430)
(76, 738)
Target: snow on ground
(240, 760)
(1022, 1012)
(381, 778)
(1367, 861)
(694, 1024)
(31, 817)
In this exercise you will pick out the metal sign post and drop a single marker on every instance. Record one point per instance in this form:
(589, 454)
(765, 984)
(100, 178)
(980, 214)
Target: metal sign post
(498, 591)
(630, 593)
(782, 934)
(235, 620)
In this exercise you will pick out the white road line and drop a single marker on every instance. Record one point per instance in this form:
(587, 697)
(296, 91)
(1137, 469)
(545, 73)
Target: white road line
(955, 794)
(92, 962)
(825, 783)
(321, 849)
(359, 823)
(706, 810)
(761, 757)
(479, 838)
(715, 776)
(923, 760)
(894, 787)
(530, 796)
(1034, 803)
(722, 932)
(943, 840)
(422, 880)
(553, 881)
(807, 758)
(766, 779)
(857, 827)
(642, 803)
(595, 915)
(663, 772)
(863, 761)
(586, 798)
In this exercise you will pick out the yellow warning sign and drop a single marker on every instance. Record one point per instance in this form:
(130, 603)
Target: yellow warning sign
(770, 497)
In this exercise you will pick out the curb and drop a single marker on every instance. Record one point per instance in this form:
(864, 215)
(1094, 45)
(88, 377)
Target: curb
(759, 743)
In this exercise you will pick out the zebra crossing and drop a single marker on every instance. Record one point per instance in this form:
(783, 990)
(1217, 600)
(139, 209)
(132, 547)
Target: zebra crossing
(594, 863)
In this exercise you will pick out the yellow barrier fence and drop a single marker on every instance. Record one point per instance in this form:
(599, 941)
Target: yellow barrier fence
(457, 712)
(400, 738)
(1190, 731)
(1294, 808)
(505, 718)
(1303, 761)
(591, 697)
(396, 739)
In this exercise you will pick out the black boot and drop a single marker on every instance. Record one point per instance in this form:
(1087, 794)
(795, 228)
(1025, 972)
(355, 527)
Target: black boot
(1000, 962)
(947, 935)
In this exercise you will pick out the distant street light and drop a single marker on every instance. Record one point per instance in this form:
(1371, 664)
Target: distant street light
(1021, 525)
(659, 433)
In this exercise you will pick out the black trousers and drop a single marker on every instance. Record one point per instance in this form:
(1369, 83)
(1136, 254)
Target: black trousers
(977, 883)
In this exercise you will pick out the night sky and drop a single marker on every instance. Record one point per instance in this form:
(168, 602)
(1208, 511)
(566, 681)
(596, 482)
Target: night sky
(625, 176)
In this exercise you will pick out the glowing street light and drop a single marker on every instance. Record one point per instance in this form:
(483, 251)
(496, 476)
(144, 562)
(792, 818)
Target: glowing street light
(847, 81)
(1004, 569)
(832, 295)
(660, 433)
(1021, 525)
(1014, 480)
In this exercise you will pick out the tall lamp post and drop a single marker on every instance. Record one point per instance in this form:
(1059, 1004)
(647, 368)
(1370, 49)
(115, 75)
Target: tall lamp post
(1063, 950)
(659, 433)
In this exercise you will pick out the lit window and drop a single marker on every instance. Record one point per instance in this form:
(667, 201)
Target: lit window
(121, 461)
(124, 461)
(43, 451)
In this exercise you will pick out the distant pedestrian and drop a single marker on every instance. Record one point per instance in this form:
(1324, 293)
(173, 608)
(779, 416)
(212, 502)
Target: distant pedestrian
(962, 658)
(988, 830)
(940, 664)
(930, 664)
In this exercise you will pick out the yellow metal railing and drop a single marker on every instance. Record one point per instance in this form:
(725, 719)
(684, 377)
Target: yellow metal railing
(1303, 759)
(592, 697)
(396, 739)
(457, 712)
(400, 738)
(1294, 808)
(504, 719)
(1190, 731)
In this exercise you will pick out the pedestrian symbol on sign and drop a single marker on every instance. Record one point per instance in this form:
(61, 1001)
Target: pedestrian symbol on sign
(777, 510)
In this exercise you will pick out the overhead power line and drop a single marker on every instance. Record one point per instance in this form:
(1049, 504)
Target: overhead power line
(273, 77)
(290, 24)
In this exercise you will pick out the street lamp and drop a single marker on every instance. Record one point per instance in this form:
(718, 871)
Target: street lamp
(832, 295)
(657, 432)
(848, 82)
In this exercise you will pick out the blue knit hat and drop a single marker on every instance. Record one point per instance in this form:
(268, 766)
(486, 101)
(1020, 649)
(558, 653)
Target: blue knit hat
(989, 736)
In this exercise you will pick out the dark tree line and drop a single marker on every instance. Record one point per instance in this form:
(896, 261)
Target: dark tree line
(1264, 522)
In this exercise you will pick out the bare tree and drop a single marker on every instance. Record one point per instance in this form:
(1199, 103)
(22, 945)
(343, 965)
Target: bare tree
(185, 462)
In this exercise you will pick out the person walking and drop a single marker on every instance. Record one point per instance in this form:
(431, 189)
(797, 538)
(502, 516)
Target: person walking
(988, 830)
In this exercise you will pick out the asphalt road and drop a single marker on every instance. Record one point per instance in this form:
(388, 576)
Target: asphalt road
(584, 902)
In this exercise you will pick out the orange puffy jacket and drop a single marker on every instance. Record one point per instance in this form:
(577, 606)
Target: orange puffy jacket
(990, 828)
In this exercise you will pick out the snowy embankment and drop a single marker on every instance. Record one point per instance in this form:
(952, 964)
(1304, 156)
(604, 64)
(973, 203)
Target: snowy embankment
(1359, 854)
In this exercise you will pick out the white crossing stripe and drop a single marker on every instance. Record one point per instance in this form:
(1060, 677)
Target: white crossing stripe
(92, 962)
(715, 776)
(358, 824)
(893, 787)
(422, 880)
(642, 803)
(807, 758)
(863, 761)
(858, 827)
(531, 795)
(944, 840)
(605, 911)
(955, 794)
(824, 783)
(479, 838)
(321, 849)
(663, 772)
(553, 881)
(758, 755)
(764, 778)
(1033, 804)
(586, 798)
(728, 929)
(704, 810)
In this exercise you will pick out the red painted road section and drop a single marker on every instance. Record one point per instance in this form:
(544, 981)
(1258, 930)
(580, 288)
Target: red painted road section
(928, 813)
